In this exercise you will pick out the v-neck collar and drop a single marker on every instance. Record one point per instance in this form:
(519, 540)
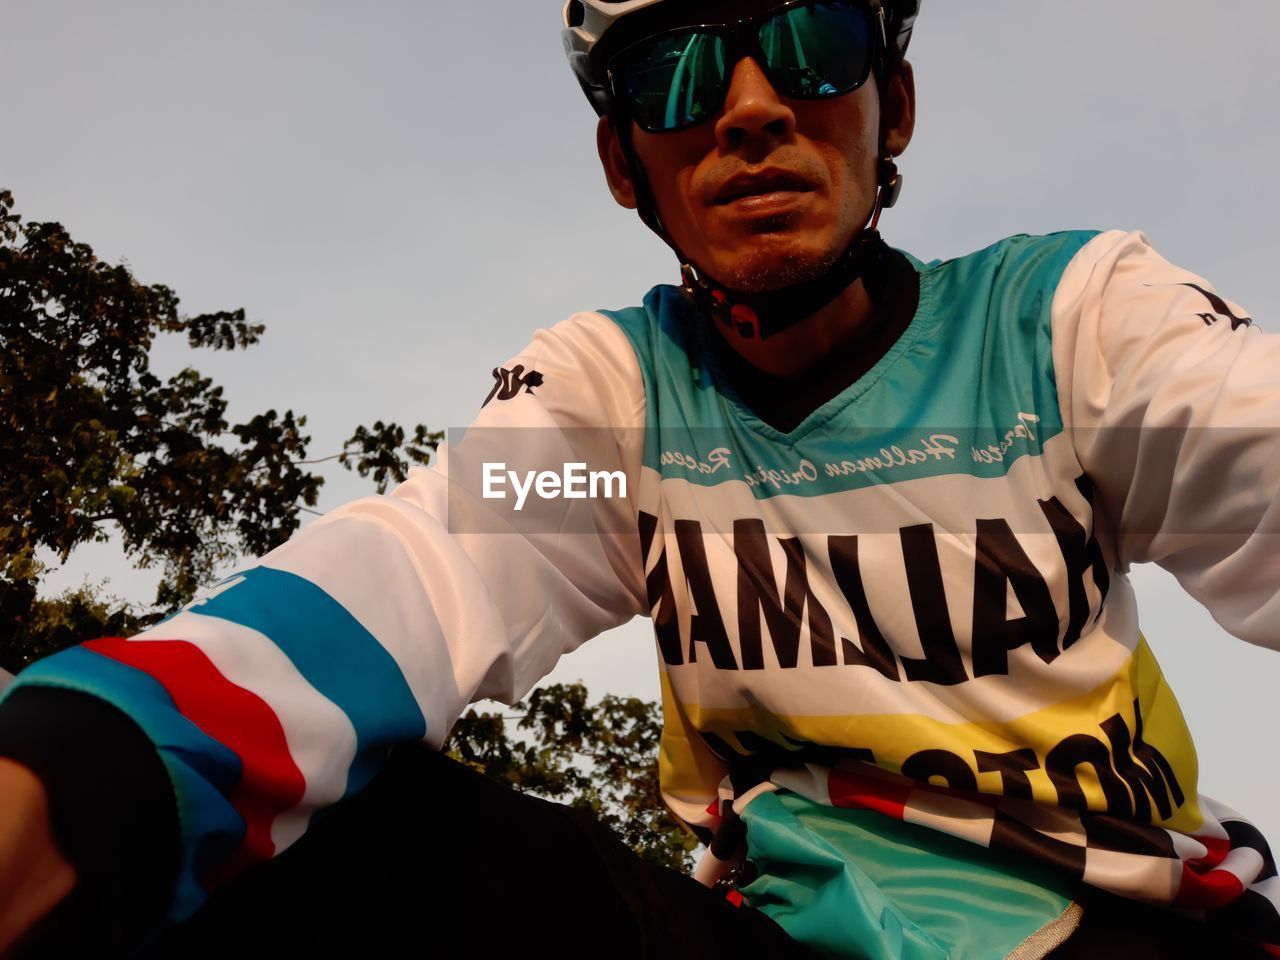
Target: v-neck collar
(910, 304)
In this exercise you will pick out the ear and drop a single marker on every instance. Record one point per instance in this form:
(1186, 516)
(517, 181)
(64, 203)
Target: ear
(899, 109)
(614, 161)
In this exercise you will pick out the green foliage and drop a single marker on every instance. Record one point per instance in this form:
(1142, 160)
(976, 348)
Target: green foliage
(376, 451)
(53, 623)
(95, 445)
(601, 757)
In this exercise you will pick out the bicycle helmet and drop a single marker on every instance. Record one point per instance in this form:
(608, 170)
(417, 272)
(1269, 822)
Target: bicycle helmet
(593, 28)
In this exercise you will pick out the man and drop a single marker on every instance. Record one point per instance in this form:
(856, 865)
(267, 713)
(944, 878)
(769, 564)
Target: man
(876, 509)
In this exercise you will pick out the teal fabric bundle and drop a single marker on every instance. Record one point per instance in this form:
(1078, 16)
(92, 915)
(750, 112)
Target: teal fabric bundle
(854, 883)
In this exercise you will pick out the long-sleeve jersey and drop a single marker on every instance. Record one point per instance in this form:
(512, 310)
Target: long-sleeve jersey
(915, 602)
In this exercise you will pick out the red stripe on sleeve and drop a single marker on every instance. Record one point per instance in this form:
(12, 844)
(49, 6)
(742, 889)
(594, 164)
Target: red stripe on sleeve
(270, 781)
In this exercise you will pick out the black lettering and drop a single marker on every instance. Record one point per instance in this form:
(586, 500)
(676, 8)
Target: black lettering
(944, 764)
(662, 601)
(1081, 553)
(1001, 563)
(941, 662)
(1061, 764)
(1012, 767)
(1153, 759)
(1141, 781)
(705, 625)
(757, 590)
(875, 650)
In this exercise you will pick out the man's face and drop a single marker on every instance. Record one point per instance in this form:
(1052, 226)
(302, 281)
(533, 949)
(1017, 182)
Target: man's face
(769, 191)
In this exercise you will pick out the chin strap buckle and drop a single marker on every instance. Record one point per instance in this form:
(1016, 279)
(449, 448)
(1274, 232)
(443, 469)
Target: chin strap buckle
(738, 317)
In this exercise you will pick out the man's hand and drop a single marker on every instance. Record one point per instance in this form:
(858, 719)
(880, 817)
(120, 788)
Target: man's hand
(34, 876)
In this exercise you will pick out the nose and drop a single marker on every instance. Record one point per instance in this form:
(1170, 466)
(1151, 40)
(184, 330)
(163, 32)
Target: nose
(753, 112)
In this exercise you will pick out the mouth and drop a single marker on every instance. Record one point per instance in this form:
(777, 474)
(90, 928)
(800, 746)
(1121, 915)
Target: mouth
(763, 186)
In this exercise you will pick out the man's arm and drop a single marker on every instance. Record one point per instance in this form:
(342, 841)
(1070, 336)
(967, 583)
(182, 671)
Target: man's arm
(280, 691)
(1173, 398)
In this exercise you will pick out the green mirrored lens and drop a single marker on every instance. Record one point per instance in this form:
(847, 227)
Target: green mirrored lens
(818, 50)
(674, 81)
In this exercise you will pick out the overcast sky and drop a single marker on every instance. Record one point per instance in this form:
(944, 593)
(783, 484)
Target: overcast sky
(403, 191)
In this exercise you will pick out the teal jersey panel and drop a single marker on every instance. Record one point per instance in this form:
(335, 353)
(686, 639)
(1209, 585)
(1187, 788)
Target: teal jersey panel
(969, 387)
(857, 884)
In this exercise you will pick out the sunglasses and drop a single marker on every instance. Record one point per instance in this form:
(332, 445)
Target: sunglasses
(808, 51)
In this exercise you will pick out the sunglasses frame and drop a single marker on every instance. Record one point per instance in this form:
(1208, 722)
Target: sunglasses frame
(742, 39)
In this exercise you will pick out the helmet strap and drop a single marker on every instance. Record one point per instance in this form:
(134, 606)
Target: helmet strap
(762, 315)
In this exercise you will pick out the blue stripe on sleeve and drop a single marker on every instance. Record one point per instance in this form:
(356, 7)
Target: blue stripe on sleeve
(330, 648)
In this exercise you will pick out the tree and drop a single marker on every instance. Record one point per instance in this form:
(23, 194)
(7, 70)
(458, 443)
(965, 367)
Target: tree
(94, 445)
(600, 757)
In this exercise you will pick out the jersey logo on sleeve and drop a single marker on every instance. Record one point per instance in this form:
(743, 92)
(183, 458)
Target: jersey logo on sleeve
(1220, 309)
(509, 382)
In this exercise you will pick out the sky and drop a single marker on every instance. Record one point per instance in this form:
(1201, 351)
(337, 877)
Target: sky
(402, 192)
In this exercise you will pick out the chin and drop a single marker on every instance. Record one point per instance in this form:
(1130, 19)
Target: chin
(769, 266)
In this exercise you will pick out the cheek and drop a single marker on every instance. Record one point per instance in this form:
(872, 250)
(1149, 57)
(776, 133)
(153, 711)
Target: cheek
(852, 164)
(681, 187)
(671, 192)
(846, 133)
(671, 164)
(681, 212)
